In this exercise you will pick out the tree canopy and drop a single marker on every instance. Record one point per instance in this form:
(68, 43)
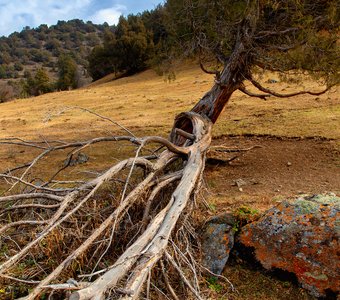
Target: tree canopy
(37, 84)
(276, 35)
(272, 35)
(285, 36)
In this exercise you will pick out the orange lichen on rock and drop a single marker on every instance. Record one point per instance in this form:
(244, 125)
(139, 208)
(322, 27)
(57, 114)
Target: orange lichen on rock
(302, 237)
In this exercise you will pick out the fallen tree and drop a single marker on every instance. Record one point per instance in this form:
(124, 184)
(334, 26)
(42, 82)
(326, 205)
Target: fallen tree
(144, 250)
(136, 214)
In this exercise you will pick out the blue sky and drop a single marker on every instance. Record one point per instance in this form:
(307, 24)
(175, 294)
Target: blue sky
(16, 14)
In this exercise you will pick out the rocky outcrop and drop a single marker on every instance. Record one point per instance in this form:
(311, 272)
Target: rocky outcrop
(302, 237)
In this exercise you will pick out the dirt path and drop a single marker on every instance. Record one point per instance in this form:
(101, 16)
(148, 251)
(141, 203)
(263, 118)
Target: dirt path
(281, 168)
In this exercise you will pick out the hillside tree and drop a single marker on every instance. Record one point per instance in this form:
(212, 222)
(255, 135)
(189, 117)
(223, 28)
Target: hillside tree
(244, 37)
(126, 50)
(42, 82)
(147, 223)
(36, 85)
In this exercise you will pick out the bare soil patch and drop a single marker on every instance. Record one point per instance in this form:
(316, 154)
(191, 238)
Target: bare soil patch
(279, 168)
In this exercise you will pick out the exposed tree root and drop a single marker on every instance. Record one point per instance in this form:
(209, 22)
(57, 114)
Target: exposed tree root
(143, 207)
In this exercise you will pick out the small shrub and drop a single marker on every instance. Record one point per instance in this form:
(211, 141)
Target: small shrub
(214, 285)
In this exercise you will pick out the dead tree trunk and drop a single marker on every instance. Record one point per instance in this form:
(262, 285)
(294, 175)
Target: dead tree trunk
(139, 258)
(191, 132)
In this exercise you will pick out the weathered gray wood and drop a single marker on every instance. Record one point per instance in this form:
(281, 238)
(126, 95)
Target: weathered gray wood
(150, 246)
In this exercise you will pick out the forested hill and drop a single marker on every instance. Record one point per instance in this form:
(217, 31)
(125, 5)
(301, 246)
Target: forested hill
(73, 53)
(70, 54)
(44, 49)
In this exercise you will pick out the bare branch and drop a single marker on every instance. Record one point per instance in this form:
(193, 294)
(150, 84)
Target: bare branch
(36, 187)
(30, 196)
(71, 285)
(68, 181)
(163, 183)
(19, 223)
(185, 134)
(172, 147)
(265, 34)
(184, 278)
(138, 141)
(124, 205)
(103, 117)
(124, 262)
(212, 72)
(279, 95)
(222, 148)
(251, 94)
(29, 165)
(33, 145)
(56, 220)
(19, 280)
(218, 276)
(23, 206)
(167, 282)
(147, 246)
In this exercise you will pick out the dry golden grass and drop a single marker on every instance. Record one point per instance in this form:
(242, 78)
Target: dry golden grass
(147, 104)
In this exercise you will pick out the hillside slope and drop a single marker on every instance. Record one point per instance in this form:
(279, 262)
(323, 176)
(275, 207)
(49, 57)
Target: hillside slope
(147, 104)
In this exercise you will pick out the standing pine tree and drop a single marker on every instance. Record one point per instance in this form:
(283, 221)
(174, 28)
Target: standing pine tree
(134, 44)
(42, 82)
(104, 59)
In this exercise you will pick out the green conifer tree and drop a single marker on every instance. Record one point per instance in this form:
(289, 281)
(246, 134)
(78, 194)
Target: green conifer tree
(42, 82)
(67, 71)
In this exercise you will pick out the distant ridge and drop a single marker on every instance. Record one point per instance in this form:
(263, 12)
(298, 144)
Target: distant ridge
(27, 51)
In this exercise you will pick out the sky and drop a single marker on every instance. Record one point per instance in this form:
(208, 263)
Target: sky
(16, 14)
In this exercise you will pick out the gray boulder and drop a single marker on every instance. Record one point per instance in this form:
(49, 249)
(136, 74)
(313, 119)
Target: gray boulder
(217, 242)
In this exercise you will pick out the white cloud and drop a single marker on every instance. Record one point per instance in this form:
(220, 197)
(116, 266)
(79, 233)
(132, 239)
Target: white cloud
(109, 15)
(15, 14)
